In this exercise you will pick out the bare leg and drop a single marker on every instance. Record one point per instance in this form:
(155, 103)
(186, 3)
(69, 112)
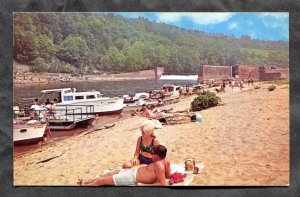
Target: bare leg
(94, 181)
(107, 180)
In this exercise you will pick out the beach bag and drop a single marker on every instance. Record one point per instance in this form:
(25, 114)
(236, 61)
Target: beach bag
(189, 164)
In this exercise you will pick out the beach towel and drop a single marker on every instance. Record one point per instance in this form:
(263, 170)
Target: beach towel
(175, 168)
(180, 168)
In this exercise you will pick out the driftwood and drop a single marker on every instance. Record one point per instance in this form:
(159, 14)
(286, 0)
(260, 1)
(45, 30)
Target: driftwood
(101, 128)
(46, 160)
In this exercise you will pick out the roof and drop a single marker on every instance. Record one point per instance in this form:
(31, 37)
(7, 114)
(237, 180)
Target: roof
(55, 90)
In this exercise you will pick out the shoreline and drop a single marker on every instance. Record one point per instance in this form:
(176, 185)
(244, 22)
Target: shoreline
(243, 142)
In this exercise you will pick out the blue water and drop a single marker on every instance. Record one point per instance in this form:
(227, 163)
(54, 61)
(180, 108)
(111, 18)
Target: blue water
(25, 94)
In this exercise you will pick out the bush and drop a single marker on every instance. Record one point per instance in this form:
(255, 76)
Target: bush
(205, 100)
(272, 88)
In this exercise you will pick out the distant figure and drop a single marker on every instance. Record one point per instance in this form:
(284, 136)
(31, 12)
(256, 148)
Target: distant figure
(166, 90)
(180, 90)
(154, 174)
(36, 101)
(187, 90)
(232, 84)
(241, 85)
(248, 81)
(252, 81)
(52, 108)
(222, 89)
(162, 91)
(47, 101)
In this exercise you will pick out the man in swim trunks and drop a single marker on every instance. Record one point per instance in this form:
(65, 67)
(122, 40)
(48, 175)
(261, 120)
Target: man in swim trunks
(154, 174)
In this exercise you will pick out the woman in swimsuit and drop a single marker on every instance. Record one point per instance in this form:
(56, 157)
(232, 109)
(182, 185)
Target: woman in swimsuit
(144, 146)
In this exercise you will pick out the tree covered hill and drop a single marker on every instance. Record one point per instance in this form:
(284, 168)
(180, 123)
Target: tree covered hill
(96, 43)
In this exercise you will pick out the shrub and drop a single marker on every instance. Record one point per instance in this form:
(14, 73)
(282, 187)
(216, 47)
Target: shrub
(271, 88)
(205, 100)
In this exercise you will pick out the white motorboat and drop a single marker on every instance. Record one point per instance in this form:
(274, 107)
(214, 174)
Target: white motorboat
(139, 99)
(138, 104)
(28, 132)
(172, 92)
(69, 97)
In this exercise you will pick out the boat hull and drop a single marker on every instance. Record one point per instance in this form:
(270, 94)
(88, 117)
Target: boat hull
(28, 141)
(62, 125)
(100, 107)
(28, 134)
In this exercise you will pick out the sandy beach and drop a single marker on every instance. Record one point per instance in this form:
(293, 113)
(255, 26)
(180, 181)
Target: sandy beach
(243, 142)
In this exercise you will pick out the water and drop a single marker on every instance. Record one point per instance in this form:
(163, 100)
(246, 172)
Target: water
(24, 94)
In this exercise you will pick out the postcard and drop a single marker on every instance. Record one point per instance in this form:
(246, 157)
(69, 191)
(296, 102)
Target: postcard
(151, 99)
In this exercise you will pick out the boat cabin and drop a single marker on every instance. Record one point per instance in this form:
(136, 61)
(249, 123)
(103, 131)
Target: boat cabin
(172, 88)
(69, 95)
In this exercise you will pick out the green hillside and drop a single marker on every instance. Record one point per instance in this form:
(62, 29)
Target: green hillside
(88, 43)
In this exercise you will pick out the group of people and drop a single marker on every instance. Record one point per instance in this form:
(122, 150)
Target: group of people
(148, 167)
(233, 84)
(50, 105)
(164, 115)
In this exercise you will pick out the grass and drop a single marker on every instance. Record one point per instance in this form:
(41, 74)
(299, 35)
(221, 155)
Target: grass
(278, 81)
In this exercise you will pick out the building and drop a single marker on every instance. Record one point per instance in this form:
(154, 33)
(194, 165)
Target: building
(261, 73)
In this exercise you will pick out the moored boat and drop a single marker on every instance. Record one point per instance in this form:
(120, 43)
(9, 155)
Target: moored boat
(66, 117)
(30, 132)
(69, 97)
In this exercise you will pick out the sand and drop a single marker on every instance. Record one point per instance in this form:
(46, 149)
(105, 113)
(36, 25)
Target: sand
(243, 142)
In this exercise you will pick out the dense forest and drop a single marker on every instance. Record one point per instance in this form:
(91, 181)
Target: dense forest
(82, 43)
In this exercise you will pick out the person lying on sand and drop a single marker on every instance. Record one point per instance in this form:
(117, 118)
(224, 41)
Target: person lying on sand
(144, 146)
(157, 114)
(154, 174)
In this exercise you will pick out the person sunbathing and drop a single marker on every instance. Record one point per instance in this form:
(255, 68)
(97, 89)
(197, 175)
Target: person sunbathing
(154, 174)
(157, 114)
(144, 146)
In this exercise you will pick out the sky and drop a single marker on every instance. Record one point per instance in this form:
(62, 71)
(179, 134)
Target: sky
(259, 25)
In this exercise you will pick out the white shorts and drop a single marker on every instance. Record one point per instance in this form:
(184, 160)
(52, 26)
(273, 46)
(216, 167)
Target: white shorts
(126, 177)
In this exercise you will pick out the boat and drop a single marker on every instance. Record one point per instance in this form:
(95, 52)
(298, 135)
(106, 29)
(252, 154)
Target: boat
(69, 97)
(64, 118)
(135, 102)
(28, 132)
(172, 94)
(138, 104)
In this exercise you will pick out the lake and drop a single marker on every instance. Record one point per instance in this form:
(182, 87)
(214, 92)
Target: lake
(25, 94)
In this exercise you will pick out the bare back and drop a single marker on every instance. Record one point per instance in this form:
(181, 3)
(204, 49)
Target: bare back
(155, 172)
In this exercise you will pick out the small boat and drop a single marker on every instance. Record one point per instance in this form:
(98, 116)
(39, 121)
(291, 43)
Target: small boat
(172, 94)
(28, 132)
(69, 97)
(139, 99)
(64, 118)
(138, 104)
(138, 96)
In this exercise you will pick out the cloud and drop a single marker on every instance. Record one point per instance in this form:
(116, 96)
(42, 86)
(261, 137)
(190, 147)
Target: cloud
(206, 18)
(276, 15)
(278, 21)
(233, 25)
